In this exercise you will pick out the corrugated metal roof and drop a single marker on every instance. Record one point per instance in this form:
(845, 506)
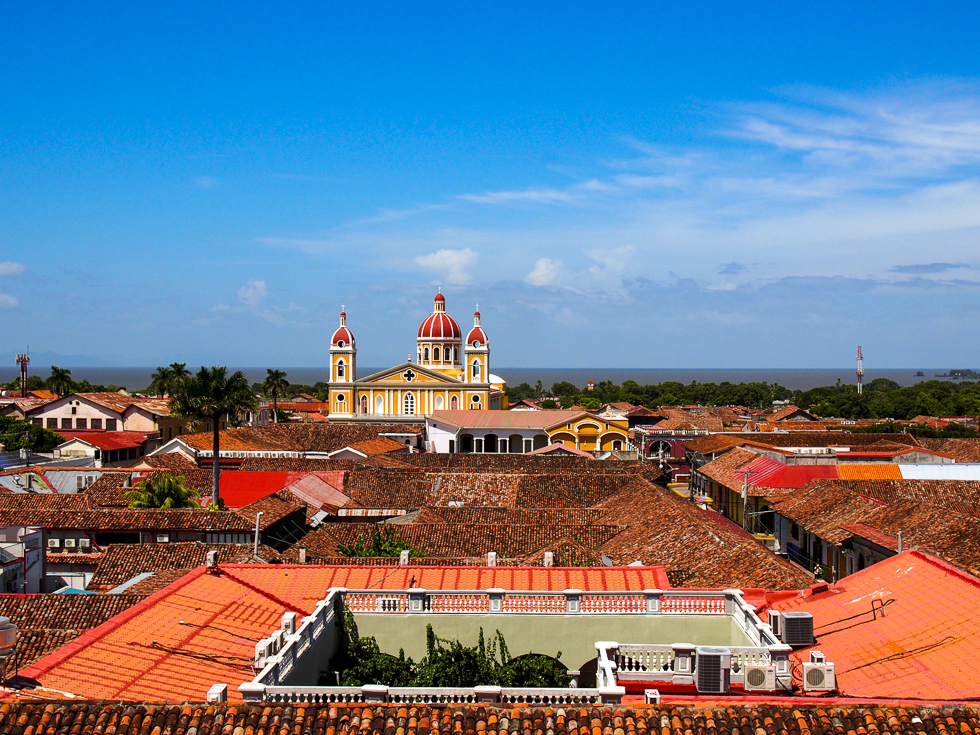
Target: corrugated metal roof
(939, 471)
(870, 471)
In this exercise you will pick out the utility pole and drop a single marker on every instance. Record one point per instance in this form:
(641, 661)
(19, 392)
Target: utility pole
(745, 498)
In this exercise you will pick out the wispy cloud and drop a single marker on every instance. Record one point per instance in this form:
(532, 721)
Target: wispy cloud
(927, 268)
(8, 302)
(253, 293)
(9, 268)
(452, 265)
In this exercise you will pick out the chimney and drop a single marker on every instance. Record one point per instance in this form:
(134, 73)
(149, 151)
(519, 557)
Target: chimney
(302, 555)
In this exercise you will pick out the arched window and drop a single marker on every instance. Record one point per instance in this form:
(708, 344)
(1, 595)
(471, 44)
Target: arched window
(440, 403)
(456, 355)
(454, 403)
(426, 353)
(409, 404)
(340, 369)
(476, 370)
(364, 404)
(476, 401)
(435, 354)
(379, 404)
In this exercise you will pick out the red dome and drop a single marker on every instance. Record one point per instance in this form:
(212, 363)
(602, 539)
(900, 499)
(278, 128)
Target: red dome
(343, 333)
(440, 297)
(440, 326)
(477, 333)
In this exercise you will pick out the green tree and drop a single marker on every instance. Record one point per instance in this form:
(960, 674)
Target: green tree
(60, 381)
(564, 388)
(384, 543)
(16, 435)
(275, 384)
(210, 396)
(160, 382)
(163, 491)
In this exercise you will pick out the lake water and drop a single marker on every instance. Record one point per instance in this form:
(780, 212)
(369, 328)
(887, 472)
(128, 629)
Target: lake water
(135, 378)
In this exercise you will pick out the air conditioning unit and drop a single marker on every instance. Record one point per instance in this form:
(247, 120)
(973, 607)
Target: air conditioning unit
(163, 538)
(760, 678)
(713, 670)
(819, 678)
(797, 629)
(69, 543)
(84, 543)
(774, 623)
(54, 543)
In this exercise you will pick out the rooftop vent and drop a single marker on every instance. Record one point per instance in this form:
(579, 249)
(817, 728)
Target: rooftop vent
(797, 629)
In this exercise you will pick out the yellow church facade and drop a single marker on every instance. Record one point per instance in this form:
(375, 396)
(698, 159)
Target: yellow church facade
(449, 373)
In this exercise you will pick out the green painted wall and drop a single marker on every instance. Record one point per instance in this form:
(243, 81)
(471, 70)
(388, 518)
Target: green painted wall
(573, 635)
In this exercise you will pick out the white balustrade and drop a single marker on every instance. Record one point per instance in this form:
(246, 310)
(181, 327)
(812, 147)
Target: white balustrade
(424, 695)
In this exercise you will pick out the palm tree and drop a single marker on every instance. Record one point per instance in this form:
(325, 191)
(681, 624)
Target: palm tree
(60, 381)
(163, 491)
(178, 374)
(275, 383)
(161, 381)
(210, 396)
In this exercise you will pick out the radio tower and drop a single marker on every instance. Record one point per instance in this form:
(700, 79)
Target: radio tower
(860, 371)
(23, 361)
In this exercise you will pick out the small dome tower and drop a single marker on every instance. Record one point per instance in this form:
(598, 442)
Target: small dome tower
(477, 350)
(439, 340)
(343, 353)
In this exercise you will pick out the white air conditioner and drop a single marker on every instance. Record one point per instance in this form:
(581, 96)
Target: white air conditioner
(797, 629)
(54, 543)
(69, 543)
(760, 678)
(84, 543)
(713, 670)
(163, 538)
(819, 678)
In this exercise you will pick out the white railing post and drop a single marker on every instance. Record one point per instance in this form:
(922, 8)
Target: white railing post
(491, 558)
(374, 693)
(487, 694)
(416, 600)
(252, 692)
(653, 600)
(573, 601)
(684, 659)
(403, 558)
(496, 595)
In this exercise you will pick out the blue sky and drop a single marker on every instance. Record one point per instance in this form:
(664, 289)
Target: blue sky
(631, 185)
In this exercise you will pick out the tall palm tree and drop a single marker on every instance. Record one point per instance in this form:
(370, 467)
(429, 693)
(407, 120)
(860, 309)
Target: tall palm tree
(161, 381)
(60, 381)
(163, 491)
(210, 396)
(275, 383)
(178, 374)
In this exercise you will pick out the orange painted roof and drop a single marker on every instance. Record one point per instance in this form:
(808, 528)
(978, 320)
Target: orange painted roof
(202, 629)
(871, 471)
(924, 646)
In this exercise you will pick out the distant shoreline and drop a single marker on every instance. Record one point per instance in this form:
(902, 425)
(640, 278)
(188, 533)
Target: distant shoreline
(135, 378)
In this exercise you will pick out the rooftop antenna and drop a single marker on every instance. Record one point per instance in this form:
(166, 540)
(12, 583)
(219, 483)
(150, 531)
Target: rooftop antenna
(24, 360)
(860, 371)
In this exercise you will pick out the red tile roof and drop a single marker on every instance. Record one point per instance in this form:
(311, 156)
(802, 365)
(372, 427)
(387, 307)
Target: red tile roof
(924, 644)
(219, 617)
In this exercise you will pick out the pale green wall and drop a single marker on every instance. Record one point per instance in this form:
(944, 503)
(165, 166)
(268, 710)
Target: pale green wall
(573, 635)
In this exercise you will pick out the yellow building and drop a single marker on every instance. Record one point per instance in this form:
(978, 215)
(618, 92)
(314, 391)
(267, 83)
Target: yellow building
(449, 374)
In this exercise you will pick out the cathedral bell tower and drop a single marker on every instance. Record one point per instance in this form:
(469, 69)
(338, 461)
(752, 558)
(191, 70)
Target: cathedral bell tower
(343, 368)
(477, 349)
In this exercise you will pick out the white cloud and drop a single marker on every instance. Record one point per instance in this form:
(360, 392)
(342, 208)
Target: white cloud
(8, 302)
(547, 272)
(8, 268)
(452, 265)
(205, 182)
(253, 293)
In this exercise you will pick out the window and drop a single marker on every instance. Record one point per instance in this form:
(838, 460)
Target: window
(341, 398)
(36, 422)
(476, 370)
(97, 424)
(81, 423)
(170, 432)
(456, 354)
(364, 404)
(435, 354)
(476, 401)
(52, 423)
(476, 343)
(110, 424)
(65, 423)
(340, 369)
(379, 404)
(426, 352)
(454, 403)
(440, 403)
(409, 404)
(73, 410)
(340, 343)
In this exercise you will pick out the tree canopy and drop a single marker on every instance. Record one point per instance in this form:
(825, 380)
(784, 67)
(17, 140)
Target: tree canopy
(163, 491)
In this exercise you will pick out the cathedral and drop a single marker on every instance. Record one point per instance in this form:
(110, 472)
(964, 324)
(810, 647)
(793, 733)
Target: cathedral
(449, 373)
